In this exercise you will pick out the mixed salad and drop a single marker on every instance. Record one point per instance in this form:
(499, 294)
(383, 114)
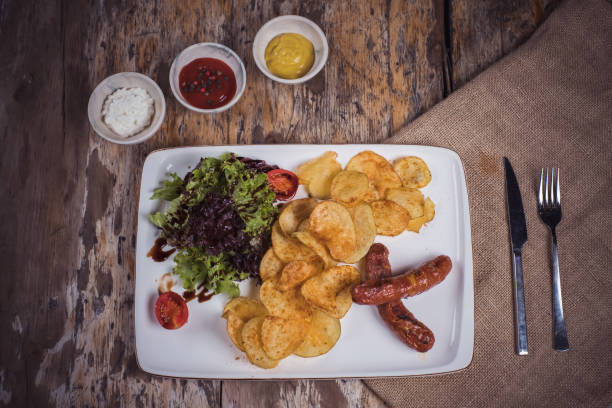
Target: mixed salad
(219, 218)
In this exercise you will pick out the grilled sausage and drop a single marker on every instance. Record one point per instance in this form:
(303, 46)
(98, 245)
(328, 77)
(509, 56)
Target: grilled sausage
(405, 326)
(399, 319)
(377, 263)
(405, 285)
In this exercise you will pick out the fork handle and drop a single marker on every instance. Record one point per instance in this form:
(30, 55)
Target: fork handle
(560, 342)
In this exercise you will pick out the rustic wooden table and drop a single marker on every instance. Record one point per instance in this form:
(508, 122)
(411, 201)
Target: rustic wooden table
(69, 199)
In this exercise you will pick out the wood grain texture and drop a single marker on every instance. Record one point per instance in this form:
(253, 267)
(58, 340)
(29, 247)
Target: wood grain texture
(481, 32)
(69, 198)
(304, 393)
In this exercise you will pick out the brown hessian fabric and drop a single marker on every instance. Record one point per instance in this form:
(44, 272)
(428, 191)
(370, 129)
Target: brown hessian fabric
(548, 104)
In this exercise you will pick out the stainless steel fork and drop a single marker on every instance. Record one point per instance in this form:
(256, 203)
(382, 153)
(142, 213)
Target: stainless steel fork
(549, 209)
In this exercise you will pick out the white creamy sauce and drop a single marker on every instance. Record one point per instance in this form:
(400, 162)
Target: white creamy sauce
(127, 111)
(165, 283)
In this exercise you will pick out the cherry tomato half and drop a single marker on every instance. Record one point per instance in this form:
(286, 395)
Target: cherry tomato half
(171, 310)
(284, 183)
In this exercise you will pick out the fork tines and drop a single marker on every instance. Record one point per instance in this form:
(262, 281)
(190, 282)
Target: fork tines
(549, 193)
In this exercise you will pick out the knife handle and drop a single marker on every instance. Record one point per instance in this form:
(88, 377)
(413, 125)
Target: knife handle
(519, 304)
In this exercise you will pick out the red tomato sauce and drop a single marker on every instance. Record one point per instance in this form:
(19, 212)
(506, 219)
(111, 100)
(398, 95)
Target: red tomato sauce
(207, 83)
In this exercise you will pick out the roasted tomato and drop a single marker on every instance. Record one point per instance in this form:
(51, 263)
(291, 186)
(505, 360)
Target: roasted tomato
(284, 183)
(171, 310)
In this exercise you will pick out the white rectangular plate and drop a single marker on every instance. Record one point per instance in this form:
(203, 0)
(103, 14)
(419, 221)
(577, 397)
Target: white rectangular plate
(366, 348)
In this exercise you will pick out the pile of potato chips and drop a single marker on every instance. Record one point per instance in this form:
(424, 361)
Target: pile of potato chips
(305, 292)
(390, 190)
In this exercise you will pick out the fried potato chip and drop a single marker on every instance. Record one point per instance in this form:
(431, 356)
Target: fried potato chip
(270, 265)
(390, 218)
(413, 171)
(237, 312)
(371, 195)
(365, 231)
(331, 223)
(294, 213)
(350, 187)
(287, 248)
(428, 215)
(323, 333)
(296, 272)
(251, 336)
(317, 174)
(288, 305)
(328, 290)
(304, 226)
(306, 238)
(280, 337)
(411, 199)
(377, 168)
(344, 301)
(244, 308)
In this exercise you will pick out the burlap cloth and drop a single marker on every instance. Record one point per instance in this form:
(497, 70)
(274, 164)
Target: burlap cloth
(547, 104)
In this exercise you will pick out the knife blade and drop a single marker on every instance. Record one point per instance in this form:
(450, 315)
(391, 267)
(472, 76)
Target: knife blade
(518, 237)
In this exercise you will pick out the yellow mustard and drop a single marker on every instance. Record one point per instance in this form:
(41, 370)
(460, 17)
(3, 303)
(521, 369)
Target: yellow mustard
(289, 56)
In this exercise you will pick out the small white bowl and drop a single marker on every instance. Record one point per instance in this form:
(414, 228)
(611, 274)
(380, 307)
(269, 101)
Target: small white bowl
(110, 85)
(290, 24)
(208, 50)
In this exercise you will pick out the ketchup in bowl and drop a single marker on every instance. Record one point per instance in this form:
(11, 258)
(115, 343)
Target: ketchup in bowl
(207, 83)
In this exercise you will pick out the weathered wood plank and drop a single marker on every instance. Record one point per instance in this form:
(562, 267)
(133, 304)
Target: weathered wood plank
(303, 393)
(416, 58)
(482, 32)
(37, 165)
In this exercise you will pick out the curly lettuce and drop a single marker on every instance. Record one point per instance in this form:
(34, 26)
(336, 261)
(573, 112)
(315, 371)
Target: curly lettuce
(170, 189)
(213, 272)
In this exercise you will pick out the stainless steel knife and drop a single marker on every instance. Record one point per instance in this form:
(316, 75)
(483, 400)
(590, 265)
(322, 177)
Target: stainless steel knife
(518, 236)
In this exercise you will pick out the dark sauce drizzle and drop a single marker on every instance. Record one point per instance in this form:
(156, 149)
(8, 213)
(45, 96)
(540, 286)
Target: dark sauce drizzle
(202, 296)
(189, 295)
(157, 252)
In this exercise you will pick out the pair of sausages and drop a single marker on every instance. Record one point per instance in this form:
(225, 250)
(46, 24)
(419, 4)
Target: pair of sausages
(386, 292)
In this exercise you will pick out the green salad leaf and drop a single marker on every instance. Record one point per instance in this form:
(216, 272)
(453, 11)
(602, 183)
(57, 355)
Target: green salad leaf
(215, 272)
(170, 219)
(208, 176)
(170, 189)
(253, 200)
